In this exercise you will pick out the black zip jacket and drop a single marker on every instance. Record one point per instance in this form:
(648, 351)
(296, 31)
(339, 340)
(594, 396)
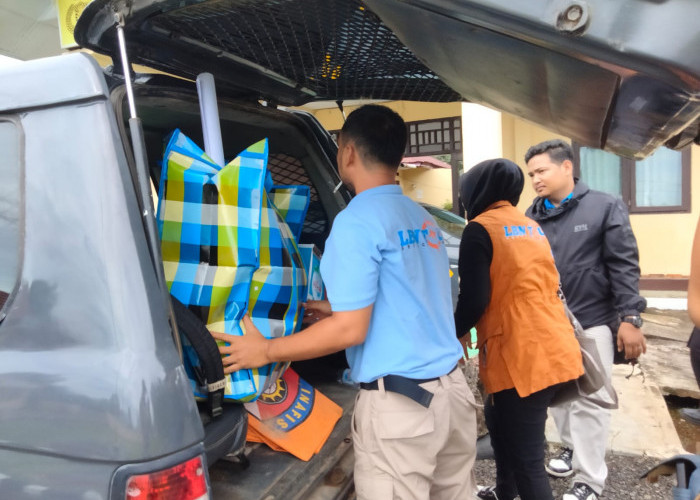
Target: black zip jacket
(596, 254)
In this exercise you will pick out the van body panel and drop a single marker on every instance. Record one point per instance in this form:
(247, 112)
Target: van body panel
(617, 82)
(34, 476)
(88, 368)
(74, 77)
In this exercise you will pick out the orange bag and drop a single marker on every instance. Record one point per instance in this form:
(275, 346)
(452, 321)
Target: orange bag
(292, 416)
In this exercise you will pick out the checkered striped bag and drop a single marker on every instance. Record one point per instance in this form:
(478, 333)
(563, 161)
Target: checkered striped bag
(228, 250)
(292, 202)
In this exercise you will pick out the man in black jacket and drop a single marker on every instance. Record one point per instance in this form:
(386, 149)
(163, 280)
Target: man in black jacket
(596, 254)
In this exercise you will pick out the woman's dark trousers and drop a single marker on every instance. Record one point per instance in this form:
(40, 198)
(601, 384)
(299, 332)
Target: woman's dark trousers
(516, 426)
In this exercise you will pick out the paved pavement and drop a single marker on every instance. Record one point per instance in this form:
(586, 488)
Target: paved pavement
(642, 424)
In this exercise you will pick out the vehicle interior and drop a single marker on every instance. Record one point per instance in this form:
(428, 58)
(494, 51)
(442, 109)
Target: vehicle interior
(296, 156)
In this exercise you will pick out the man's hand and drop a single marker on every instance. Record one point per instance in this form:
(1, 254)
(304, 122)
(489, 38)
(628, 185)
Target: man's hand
(630, 339)
(315, 310)
(338, 331)
(247, 351)
(465, 341)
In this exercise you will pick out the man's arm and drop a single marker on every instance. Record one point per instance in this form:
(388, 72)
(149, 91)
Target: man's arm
(621, 258)
(332, 334)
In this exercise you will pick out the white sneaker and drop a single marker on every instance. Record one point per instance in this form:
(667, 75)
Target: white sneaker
(580, 491)
(561, 465)
(487, 493)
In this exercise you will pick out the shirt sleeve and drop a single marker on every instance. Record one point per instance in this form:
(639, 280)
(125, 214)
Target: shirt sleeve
(475, 256)
(621, 259)
(350, 264)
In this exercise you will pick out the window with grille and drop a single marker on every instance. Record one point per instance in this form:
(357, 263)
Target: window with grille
(441, 138)
(431, 137)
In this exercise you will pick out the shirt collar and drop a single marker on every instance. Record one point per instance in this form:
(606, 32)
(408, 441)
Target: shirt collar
(384, 189)
(548, 205)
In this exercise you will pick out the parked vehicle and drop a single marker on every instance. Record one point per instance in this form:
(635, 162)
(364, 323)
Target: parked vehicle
(94, 401)
(451, 226)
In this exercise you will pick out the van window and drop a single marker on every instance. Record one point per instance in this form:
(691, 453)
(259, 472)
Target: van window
(10, 209)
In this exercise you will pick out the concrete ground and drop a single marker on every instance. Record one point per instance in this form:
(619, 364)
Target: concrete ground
(642, 425)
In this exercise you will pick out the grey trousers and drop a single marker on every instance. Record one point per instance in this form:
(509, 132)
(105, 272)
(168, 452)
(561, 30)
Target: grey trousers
(583, 426)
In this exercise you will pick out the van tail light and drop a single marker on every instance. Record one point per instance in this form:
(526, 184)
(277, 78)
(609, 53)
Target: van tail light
(185, 481)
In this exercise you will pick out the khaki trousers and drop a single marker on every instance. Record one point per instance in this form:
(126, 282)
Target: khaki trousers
(405, 451)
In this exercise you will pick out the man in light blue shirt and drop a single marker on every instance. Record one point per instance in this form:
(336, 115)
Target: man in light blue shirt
(385, 251)
(386, 273)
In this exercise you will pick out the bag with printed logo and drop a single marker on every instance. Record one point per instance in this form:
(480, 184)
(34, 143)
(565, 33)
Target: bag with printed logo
(292, 416)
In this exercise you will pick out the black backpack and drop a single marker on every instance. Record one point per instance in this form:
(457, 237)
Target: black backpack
(225, 426)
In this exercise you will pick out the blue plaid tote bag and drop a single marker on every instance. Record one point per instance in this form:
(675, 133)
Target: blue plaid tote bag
(292, 202)
(227, 250)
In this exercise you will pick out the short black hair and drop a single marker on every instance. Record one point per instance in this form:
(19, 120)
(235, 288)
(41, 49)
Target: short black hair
(378, 132)
(557, 150)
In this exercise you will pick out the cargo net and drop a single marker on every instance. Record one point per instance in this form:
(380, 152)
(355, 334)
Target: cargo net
(336, 48)
(287, 170)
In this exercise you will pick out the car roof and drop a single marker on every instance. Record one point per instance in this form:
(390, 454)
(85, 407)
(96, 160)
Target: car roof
(589, 70)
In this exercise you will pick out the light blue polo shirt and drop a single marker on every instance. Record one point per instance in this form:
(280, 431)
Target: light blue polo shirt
(384, 249)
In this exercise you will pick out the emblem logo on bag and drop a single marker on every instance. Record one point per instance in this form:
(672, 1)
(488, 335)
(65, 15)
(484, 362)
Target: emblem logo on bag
(276, 393)
(286, 405)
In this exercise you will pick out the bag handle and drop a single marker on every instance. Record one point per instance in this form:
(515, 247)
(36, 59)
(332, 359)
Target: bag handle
(207, 351)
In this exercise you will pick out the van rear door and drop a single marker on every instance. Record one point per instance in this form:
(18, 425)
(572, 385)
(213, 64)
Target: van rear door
(603, 73)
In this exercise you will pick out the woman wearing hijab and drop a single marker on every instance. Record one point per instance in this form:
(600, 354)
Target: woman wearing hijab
(527, 347)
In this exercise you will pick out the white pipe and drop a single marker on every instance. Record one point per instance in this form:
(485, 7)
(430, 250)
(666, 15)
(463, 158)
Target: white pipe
(127, 75)
(211, 127)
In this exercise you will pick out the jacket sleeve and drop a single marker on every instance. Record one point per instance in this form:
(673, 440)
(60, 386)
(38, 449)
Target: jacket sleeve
(621, 259)
(475, 255)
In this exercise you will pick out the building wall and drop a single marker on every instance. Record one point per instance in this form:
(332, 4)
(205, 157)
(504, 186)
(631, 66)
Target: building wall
(664, 240)
(331, 118)
(427, 185)
(431, 186)
(482, 134)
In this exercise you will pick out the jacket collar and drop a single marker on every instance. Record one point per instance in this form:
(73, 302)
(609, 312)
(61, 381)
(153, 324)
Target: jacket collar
(540, 212)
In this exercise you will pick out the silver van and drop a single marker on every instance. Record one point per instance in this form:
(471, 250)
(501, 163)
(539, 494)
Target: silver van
(94, 400)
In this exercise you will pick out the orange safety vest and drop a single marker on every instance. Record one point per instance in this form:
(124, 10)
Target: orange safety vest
(525, 339)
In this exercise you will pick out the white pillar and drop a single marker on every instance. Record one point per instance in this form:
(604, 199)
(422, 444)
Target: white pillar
(482, 134)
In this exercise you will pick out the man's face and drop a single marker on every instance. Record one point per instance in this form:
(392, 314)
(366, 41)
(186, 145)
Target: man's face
(547, 177)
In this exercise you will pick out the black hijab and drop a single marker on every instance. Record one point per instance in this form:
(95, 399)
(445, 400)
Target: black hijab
(488, 182)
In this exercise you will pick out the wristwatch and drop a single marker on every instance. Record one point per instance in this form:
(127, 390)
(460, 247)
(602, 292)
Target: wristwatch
(636, 321)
